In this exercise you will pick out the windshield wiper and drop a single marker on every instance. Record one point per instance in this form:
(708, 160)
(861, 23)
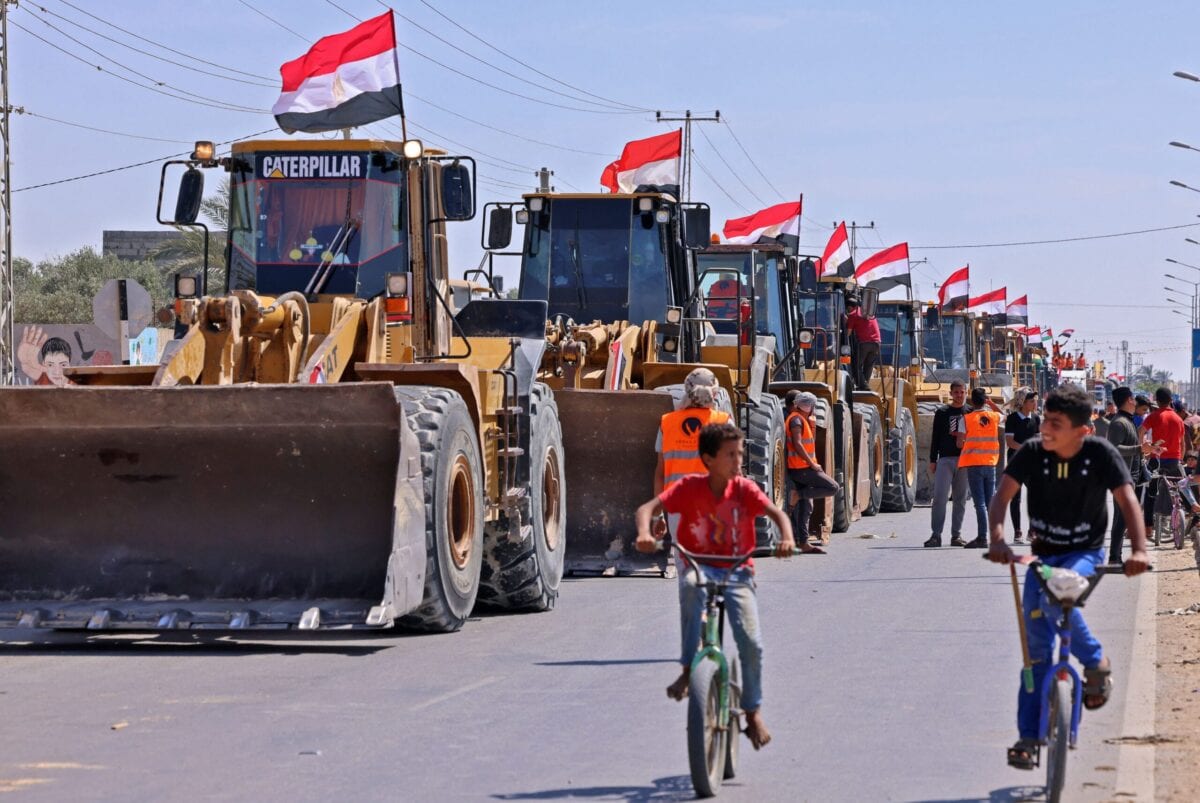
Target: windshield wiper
(576, 258)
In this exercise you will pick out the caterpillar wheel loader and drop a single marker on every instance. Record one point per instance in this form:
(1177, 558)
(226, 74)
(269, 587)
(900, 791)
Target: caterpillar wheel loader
(627, 321)
(324, 446)
(953, 346)
(870, 434)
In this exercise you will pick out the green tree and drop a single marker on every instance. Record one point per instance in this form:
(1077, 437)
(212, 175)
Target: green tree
(186, 255)
(60, 289)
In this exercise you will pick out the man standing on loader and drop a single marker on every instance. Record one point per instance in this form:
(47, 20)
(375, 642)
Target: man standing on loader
(866, 342)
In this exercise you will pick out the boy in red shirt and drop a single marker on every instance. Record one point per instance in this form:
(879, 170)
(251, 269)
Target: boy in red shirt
(717, 512)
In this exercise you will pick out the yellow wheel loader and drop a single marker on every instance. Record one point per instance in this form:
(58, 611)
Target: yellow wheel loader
(628, 319)
(325, 445)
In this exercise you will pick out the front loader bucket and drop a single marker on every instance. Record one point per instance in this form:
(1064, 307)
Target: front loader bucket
(608, 438)
(220, 507)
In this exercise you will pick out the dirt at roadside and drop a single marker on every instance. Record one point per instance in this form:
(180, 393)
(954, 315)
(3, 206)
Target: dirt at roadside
(1177, 710)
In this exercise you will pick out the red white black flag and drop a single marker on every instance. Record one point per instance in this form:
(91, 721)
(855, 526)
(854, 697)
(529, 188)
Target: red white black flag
(992, 303)
(779, 223)
(886, 269)
(1017, 312)
(650, 164)
(347, 79)
(836, 261)
(955, 292)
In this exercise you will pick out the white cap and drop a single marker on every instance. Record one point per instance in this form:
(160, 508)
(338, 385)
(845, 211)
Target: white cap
(700, 388)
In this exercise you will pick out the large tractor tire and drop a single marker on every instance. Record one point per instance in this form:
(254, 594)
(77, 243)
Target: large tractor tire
(843, 466)
(900, 477)
(925, 413)
(452, 474)
(523, 565)
(876, 456)
(767, 461)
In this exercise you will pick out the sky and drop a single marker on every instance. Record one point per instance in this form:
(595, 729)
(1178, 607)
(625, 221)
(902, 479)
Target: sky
(946, 124)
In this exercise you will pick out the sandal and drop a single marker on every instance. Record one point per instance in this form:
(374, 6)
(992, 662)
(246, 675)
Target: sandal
(809, 549)
(1097, 685)
(1024, 755)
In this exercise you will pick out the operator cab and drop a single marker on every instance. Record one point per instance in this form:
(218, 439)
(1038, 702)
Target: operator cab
(727, 277)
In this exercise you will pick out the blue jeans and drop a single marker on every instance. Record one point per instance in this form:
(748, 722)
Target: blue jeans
(1041, 617)
(982, 482)
(741, 609)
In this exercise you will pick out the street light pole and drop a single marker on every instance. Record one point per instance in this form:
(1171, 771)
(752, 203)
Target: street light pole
(1193, 394)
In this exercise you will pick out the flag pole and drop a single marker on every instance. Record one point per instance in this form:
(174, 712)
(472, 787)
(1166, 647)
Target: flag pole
(399, 84)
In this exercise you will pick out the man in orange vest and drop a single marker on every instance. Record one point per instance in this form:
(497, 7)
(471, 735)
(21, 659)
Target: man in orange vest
(980, 454)
(803, 469)
(678, 443)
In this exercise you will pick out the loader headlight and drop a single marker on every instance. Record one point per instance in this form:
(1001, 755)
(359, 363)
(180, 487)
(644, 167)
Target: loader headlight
(413, 149)
(522, 216)
(645, 204)
(674, 315)
(805, 337)
(915, 362)
(397, 284)
(663, 215)
(670, 345)
(536, 204)
(845, 351)
(204, 151)
(186, 285)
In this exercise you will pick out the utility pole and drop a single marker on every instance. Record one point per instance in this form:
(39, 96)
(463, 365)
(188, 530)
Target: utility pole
(853, 228)
(7, 304)
(685, 181)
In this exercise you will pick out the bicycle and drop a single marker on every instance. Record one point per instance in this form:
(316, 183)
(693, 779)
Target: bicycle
(1180, 522)
(1062, 687)
(714, 687)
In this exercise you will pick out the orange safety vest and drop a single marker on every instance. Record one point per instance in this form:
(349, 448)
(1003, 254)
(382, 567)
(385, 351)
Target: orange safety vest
(681, 441)
(807, 437)
(982, 446)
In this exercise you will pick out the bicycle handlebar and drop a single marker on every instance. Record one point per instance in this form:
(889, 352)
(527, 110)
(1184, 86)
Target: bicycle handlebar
(695, 559)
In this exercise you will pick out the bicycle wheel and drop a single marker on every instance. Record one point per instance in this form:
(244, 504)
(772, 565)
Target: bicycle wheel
(1194, 531)
(732, 736)
(1177, 527)
(1057, 740)
(706, 741)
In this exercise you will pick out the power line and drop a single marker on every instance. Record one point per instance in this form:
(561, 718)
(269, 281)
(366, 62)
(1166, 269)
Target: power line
(607, 106)
(521, 137)
(526, 65)
(162, 46)
(713, 179)
(194, 99)
(1060, 240)
(135, 164)
(749, 157)
(23, 111)
(269, 18)
(735, 173)
(70, 21)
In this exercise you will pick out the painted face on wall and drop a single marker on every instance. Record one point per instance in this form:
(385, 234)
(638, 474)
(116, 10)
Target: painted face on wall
(54, 365)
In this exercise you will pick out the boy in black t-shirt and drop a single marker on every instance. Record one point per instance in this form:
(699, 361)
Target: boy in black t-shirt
(1067, 475)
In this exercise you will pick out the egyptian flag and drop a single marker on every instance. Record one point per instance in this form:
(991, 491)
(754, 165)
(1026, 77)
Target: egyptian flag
(836, 261)
(647, 165)
(347, 79)
(1031, 332)
(1017, 312)
(992, 303)
(1065, 334)
(779, 223)
(885, 269)
(954, 294)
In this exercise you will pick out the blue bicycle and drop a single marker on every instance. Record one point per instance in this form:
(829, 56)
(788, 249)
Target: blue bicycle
(1062, 687)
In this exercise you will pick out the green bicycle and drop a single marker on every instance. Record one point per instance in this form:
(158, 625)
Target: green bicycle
(714, 688)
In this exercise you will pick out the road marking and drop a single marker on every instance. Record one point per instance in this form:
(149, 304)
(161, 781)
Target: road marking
(1135, 762)
(479, 684)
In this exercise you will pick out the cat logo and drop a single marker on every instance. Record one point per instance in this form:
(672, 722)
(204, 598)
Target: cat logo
(276, 173)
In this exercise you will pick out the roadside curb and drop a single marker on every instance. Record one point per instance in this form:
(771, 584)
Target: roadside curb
(1135, 761)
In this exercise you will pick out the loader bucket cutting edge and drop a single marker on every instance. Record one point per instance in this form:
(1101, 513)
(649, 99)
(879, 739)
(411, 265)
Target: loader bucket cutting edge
(238, 506)
(608, 440)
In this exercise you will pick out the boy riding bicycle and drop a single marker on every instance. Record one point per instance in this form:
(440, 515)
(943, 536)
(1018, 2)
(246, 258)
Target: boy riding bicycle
(1066, 474)
(717, 512)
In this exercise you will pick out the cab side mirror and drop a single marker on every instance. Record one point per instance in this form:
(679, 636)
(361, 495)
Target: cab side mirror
(457, 203)
(869, 298)
(191, 193)
(806, 275)
(500, 225)
(697, 226)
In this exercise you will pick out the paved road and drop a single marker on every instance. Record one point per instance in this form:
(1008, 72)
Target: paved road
(891, 675)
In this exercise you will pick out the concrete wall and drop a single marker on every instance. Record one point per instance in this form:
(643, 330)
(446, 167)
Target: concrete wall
(135, 245)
